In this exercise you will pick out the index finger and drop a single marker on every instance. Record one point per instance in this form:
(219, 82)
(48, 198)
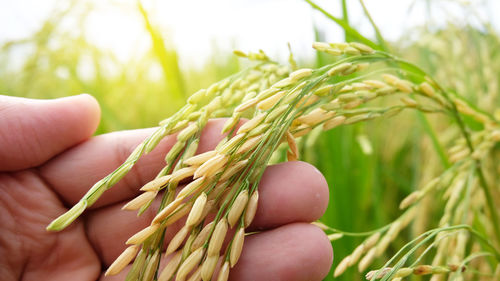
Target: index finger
(72, 173)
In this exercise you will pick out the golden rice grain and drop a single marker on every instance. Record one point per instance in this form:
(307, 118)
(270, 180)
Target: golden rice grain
(335, 236)
(224, 272)
(189, 264)
(233, 170)
(231, 144)
(169, 270)
(200, 158)
(338, 69)
(270, 101)
(123, 260)
(356, 254)
(372, 240)
(237, 208)
(342, 266)
(375, 83)
(202, 236)
(236, 247)
(177, 214)
(212, 165)
(142, 235)
(182, 173)
(283, 83)
(156, 184)
(192, 187)
(366, 260)
(140, 201)
(208, 267)
(301, 73)
(277, 113)
(217, 238)
(150, 270)
(196, 276)
(251, 208)
(352, 51)
(249, 144)
(196, 212)
(362, 47)
(165, 212)
(187, 132)
(427, 89)
(177, 240)
(409, 101)
(334, 122)
(320, 46)
(252, 123)
(316, 116)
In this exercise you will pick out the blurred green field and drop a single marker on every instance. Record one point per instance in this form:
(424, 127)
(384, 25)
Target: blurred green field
(370, 167)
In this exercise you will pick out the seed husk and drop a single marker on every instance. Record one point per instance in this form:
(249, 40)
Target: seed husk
(123, 260)
(169, 269)
(270, 101)
(217, 238)
(208, 267)
(140, 201)
(200, 158)
(224, 272)
(165, 212)
(249, 144)
(156, 184)
(192, 187)
(150, 270)
(233, 170)
(334, 122)
(142, 235)
(202, 236)
(177, 240)
(189, 264)
(182, 173)
(178, 213)
(196, 276)
(236, 247)
(237, 208)
(212, 165)
(251, 208)
(366, 260)
(343, 265)
(197, 210)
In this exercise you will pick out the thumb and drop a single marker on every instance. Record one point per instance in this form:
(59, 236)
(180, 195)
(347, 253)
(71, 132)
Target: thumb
(33, 131)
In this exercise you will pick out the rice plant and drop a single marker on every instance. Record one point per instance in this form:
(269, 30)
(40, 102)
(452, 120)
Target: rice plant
(283, 104)
(358, 94)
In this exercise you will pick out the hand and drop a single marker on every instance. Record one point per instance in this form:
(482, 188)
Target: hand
(49, 160)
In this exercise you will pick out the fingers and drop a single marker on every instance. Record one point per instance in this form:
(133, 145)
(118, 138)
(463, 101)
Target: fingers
(289, 192)
(74, 172)
(33, 131)
(298, 252)
(294, 252)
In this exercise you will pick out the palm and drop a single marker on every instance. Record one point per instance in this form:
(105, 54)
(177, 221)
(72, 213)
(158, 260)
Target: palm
(27, 204)
(50, 163)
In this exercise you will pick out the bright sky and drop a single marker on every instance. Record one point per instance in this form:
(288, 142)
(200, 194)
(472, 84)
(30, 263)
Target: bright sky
(194, 27)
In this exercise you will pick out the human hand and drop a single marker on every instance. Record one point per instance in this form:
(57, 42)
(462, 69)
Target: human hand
(49, 160)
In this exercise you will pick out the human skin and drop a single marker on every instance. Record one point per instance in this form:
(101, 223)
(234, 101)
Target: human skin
(49, 159)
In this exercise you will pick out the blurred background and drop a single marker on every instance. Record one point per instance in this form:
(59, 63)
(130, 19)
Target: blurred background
(142, 59)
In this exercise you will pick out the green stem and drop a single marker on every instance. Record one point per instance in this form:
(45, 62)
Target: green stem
(345, 17)
(378, 34)
(482, 179)
(435, 142)
(348, 29)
